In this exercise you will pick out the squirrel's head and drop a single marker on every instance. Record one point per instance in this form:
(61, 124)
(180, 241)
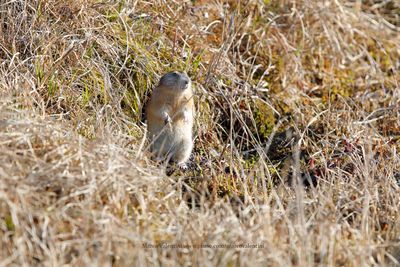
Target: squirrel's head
(175, 81)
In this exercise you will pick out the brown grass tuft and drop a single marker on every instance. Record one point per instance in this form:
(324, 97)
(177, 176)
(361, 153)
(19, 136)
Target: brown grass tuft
(297, 133)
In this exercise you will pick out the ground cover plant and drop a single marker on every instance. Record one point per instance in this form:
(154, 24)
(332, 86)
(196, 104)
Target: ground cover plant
(296, 159)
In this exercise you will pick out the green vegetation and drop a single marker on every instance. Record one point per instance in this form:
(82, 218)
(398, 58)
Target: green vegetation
(297, 133)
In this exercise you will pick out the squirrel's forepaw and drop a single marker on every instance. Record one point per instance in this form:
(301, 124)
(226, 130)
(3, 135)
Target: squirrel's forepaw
(186, 116)
(167, 119)
(183, 166)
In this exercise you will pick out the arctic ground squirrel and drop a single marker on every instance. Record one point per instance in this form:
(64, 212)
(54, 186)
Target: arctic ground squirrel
(170, 118)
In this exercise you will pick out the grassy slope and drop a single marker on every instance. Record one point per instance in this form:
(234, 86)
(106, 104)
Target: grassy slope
(77, 186)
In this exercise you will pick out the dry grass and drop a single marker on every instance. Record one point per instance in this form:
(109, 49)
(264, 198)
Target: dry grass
(297, 134)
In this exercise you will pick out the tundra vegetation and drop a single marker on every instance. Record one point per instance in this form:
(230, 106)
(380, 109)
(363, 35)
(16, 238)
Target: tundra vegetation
(297, 133)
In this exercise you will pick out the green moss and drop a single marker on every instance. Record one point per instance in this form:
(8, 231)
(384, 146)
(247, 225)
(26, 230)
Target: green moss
(343, 84)
(264, 118)
(251, 161)
(9, 223)
(383, 53)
